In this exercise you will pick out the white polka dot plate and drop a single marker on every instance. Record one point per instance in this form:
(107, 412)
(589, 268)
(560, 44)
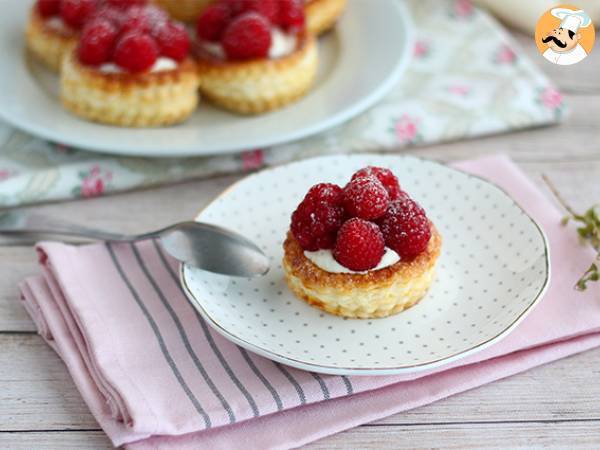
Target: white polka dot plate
(493, 269)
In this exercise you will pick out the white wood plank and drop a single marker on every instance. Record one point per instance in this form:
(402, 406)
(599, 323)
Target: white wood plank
(576, 435)
(57, 440)
(572, 435)
(36, 392)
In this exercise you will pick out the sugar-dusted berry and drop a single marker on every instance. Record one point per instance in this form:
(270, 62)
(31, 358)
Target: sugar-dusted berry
(143, 18)
(124, 4)
(247, 36)
(385, 176)
(291, 15)
(172, 40)
(359, 245)
(97, 42)
(315, 224)
(76, 12)
(326, 192)
(365, 197)
(136, 52)
(213, 21)
(267, 8)
(406, 228)
(48, 8)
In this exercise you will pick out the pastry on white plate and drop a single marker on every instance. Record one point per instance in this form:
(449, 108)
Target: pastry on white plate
(365, 251)
(255, 60)
(321, 15)
(135, 72)
(53, 27)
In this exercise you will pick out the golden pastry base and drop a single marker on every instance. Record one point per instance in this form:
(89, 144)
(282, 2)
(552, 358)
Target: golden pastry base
(129, 100)
(47, 44)
(258, 86)
(183, 10)
(374, 294)
(321, 15)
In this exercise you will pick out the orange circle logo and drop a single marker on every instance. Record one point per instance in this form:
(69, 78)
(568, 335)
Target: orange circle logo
(565, 35)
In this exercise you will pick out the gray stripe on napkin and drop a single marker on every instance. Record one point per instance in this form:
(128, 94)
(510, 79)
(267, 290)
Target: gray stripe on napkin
(292, 380)
(348, 383)
(183, 334)
(159, 337)
(262, 378)
(209, 337)
(326, 395)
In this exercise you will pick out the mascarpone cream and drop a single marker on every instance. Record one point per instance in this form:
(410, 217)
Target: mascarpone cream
(162, 64)
(324, 260)
(282, 44)
(57, 24)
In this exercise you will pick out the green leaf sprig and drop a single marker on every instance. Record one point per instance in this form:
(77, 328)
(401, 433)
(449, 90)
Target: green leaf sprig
(589, 233)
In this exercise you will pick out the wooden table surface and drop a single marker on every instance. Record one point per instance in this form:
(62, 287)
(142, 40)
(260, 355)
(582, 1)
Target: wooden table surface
(553, 406)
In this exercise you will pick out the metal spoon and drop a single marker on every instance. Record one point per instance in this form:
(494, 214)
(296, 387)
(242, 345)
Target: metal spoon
(202, 245)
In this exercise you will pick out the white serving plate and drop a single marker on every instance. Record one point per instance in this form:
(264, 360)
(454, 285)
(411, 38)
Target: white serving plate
(361, 60)
(493, 269)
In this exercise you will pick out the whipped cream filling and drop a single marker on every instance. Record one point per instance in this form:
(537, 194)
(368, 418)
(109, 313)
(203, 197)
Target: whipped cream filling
(162, 64)
(282, 44)
(324, 260)
(56, 23)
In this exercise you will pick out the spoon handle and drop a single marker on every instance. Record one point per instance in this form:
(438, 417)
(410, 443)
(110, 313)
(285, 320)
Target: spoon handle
(21, 224)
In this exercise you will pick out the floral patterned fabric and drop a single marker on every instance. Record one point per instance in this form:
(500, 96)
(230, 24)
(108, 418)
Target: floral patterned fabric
(467, 79)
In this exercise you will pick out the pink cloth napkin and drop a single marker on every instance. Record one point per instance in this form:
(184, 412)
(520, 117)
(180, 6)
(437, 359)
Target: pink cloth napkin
(156, 376)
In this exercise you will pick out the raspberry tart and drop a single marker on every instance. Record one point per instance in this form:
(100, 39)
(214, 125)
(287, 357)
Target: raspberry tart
(53, 27)
(363, 251)
(183, 10)
(321, 15)
(255, 56)
(131, 67)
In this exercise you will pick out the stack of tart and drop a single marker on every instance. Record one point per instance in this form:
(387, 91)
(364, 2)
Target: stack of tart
(366, 250)
(130, 63)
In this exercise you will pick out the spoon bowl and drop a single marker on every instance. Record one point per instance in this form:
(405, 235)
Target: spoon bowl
(214, 249)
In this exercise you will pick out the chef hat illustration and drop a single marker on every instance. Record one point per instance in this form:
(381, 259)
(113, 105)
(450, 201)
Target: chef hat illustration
(571, 20)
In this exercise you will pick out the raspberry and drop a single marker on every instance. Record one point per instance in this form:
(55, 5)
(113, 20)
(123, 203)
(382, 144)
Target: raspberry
(406, 228)
(359, 245)
(136, 52)
(315, 223)
(266, 8)
(365, 197)
(124, 4)
(96, 42)
(143, 18)
(76, 12)
(212, 22)
(48, 8)
(387, 178)
(110, 13)
(329, 193)
(173, 41)
(291, 14)
(247, 36)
